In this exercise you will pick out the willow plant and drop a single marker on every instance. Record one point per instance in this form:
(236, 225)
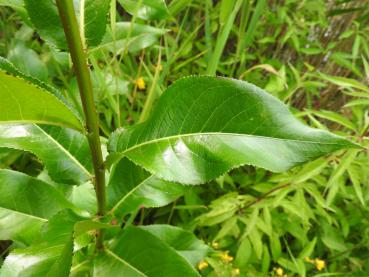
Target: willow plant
(200, 128)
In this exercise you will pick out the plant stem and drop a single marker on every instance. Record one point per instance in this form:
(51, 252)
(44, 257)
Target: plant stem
(71, 30)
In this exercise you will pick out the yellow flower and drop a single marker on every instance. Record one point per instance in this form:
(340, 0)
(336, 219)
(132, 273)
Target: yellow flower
(225, 257)
(140, 83)
(215, 245)
(235, 271)
(279, 271)
(319, 264)
(202, 265)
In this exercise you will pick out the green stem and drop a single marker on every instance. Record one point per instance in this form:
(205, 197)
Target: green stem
(71, 30)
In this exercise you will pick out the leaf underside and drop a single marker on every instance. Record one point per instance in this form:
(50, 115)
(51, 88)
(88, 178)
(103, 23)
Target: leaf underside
(131, 187)
(25, 205)
(51, 256)
(135, 245)
(64, 152)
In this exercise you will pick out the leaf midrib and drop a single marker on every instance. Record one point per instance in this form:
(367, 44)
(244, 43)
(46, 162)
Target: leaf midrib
(219, 134)
(74, 159)
(25, 214)
(115, 256)
(121, 201)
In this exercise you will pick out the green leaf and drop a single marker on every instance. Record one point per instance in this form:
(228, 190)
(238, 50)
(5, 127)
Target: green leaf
(131, 187)
(28, 61)
(8, 67)
(308, 250)
(25, 102)
(38, 260)
(64, 152)
(95, 19)
(137, 252)
(244, 252)
(345, 82)
(131, 37)
(52, 256)
(84, 197)
(185, 243)
(335, 117)
(354, 173)
(19, 227)
(45, 17)
(25, 205)
(205, 126)
(149, 9)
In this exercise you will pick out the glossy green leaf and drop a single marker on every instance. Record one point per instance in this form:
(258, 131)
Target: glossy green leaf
(45, 17)
(137, 252)
(64, 152)
(131, 37)
(131, 187)
(25, 205)
(25, 102)
(95, 19)
(149, 9)
(20, 227)
(52, 256)
(185, 243)
(8, 67)
(205, 126)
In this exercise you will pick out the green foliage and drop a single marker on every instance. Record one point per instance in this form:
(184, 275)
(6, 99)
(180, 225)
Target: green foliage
(44, 16)
(279, 195)
(153, 245)
(64, 152)
(24, 102)
(217, 125)
(129, 36)
(26, 204)
(131, 188)
(146, 9)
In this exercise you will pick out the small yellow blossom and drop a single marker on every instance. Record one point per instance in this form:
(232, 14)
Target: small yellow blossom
(235, 271)
(215, 245)
(225, 257)
(140, 83)
(279, 271)
(202, 265)
(284, 275)
(319, 264)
